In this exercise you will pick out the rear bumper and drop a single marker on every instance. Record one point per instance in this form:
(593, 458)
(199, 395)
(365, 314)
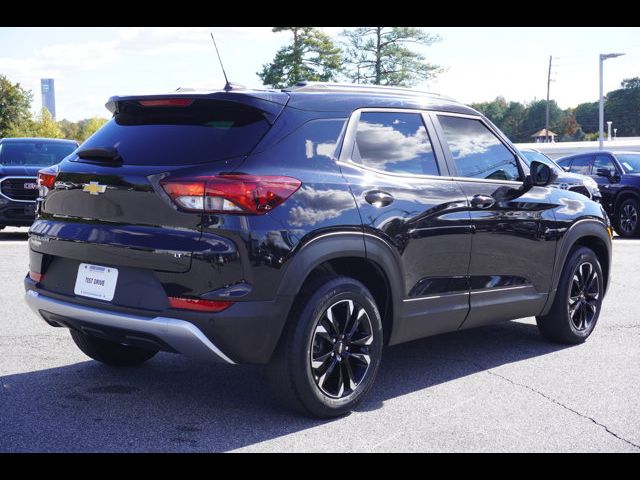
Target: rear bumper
(247, 332)
(180, 335)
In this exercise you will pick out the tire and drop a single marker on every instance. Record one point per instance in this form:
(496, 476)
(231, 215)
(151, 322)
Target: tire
(339, 378)
(627, 221)
(111, 353)
(578, 301)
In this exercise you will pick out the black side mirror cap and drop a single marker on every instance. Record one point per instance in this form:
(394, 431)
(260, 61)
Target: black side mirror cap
(541, 174)
(604, 172)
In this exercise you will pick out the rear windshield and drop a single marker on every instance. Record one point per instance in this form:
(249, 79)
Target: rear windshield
(37, 154)
(205, 131)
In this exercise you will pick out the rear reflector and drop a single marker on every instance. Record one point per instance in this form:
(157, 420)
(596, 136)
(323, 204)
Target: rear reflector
(198, 304)
(167, 102)
(253, 194)
(36, 277)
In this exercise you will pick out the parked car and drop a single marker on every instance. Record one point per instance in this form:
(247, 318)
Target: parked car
(20, 160)
(618, 177)
(569, 181)
(305, 229)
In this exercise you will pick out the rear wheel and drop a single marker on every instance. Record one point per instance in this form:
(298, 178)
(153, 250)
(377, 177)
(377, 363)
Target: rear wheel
(576, 306)
(111, 353)
(329, 354)
(627, 218)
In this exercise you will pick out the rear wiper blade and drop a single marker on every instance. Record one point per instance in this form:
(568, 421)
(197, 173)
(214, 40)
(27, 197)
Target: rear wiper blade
(100, 154)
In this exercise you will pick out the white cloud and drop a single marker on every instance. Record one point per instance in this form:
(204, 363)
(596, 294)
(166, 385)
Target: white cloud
(320, 205)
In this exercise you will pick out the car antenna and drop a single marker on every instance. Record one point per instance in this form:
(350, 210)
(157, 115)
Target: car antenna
(227, 85)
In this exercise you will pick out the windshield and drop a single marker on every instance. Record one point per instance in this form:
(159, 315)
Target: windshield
(36, 153)
(530, 156)
(630, 162)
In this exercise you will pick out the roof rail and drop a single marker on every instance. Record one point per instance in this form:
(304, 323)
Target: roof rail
(309, 86)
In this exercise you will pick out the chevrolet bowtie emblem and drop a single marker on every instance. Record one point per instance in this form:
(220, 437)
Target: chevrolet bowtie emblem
(94, 188)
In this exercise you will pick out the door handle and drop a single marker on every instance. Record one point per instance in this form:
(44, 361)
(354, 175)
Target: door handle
(378, 198)
(482, 201)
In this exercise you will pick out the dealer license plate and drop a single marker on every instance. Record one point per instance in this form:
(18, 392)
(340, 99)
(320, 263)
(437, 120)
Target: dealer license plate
(95, 281)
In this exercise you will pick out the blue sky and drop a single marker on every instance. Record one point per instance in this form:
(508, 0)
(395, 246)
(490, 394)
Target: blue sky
(91, 64)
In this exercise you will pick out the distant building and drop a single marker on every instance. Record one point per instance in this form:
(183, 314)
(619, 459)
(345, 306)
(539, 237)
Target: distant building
(48, 95)
(541, 136)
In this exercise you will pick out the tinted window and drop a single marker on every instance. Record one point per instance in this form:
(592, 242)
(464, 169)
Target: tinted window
(311, 145)
(603, 161)
(630, 162)
(394, 142)
(205, 131)
(34, 153)
(476, 151)
(581, 165)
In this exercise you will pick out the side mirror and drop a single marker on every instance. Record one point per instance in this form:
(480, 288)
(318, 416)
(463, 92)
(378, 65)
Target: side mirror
(541, 174)
(604, 172)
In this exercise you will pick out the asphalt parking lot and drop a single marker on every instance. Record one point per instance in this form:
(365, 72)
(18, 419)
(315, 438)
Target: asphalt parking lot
(498, 388)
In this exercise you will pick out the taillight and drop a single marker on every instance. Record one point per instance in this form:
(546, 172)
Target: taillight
(254, 194)
(35, 276)
(47, 178)
(198, 304)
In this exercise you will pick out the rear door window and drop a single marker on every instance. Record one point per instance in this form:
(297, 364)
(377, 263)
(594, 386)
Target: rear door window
(201, 132)
(394, 142)
(582, 165)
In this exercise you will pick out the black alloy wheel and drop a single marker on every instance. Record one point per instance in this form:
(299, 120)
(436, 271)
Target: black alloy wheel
(628, 219)
(340, 355)
(584, 296)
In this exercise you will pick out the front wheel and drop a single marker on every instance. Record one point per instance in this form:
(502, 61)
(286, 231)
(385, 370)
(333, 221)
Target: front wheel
(330, 351)
(576, 306)
(627, 221)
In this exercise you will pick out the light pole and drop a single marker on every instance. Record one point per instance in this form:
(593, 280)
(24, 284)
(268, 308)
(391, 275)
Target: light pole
(609, 122)
(603, 57)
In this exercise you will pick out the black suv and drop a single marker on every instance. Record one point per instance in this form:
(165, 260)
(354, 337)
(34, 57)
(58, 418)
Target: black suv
(20, 160)
(305, 229)
(618, 177)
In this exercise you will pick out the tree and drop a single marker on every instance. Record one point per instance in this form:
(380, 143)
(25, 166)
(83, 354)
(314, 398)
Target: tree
(381, 55)
(512, 121)
(631, 83)
(312, 55)
(70, 130)
(569, 129)
(622, 107)
(42, 126)
(587, 116)
(15, 104)
(89, 127)
(493, 110)
(534, 119)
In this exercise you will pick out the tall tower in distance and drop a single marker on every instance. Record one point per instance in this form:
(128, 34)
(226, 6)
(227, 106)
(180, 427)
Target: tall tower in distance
(48, 95)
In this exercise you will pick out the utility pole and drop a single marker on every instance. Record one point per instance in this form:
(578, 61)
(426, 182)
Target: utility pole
(546, 121)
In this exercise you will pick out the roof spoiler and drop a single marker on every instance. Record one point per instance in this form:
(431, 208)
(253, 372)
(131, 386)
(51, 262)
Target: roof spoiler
(270, 105)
